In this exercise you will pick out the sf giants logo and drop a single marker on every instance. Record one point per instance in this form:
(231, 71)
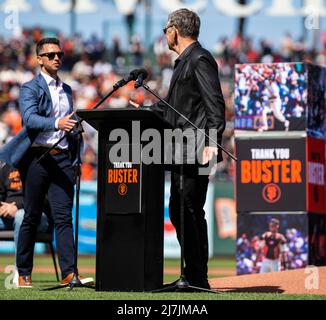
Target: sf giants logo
(122, 189)
(272, 193)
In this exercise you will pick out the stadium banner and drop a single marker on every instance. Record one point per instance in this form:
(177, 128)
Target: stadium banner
(9, 247)
(316, 175)
(299, 241)
(171, 244)
(271, 174)
(230, 8)
(225, 226)
(317, 239)
(226, 217)
(280, 174)
(316, 101)
(280, 97)
(87, 221)
(257, 251)
(87, 217)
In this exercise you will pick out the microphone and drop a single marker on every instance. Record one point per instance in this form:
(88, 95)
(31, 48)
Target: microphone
(124, 81)
(142, 75)
(133, 75)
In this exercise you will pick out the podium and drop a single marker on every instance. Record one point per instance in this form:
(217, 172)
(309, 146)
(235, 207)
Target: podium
(130, 200)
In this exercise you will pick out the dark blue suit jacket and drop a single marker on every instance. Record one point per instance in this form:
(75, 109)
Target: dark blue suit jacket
(35, 106)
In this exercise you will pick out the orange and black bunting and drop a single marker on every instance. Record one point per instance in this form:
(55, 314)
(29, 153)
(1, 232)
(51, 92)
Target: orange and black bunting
(16, 185)
(14, 175)
(122, 176)
(271, 171)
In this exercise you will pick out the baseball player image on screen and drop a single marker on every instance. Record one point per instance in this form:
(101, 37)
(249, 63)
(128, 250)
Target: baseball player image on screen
(273, 249)
(272, 102)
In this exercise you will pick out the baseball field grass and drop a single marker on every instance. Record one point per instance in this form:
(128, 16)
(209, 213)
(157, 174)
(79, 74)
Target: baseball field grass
(44, 277)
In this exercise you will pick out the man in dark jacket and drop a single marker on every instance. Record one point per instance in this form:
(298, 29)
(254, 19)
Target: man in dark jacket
(195, 92)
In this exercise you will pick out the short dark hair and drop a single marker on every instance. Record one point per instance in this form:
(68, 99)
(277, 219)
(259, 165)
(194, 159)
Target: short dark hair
(42, 42)
(275, 221)
(187, 22)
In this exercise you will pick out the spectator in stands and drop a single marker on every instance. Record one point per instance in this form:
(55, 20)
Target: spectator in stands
(118, 56)
(96, 73)
(12, 203)
(137, 51)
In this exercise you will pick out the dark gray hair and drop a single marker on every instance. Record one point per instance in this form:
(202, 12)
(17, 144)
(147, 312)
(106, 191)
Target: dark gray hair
(187, 22)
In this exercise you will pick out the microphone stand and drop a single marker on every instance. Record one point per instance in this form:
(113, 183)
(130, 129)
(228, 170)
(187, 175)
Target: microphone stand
(75, 282)
(182, 285)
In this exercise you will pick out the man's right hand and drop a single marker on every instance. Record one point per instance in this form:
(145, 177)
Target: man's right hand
(66, 123)
(134, 104)
(8, 209)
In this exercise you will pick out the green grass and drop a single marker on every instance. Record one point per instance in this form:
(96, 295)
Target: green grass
(89, 261)
(42, 281)
(224, 262)
(41, 260)
(45, 280)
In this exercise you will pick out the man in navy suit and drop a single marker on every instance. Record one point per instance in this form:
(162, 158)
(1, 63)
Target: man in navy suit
(47, 113)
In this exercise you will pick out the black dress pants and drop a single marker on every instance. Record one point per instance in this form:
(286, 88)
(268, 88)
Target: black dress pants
(195, 225)
(54, 177)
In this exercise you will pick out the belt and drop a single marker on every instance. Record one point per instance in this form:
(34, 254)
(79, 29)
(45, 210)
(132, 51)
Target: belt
(53, 151)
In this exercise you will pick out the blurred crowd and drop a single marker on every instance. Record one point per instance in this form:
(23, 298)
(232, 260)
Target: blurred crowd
(250, 254)
(92, 67)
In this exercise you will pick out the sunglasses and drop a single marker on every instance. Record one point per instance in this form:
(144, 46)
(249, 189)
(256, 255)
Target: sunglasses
(51, 55)
(166, 28)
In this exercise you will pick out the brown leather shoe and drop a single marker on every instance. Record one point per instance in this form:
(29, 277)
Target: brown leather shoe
(67, 279)
(25, 282)
(83, 280)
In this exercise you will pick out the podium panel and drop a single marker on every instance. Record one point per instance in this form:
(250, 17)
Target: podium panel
(123, 185)
(282, 173)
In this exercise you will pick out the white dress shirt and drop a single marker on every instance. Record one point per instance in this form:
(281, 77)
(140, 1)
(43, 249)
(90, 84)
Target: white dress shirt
(60, 109)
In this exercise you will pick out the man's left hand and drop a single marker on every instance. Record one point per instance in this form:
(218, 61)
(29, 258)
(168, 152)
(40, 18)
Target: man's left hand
(208, 154)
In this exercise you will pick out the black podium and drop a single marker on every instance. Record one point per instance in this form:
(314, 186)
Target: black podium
(130, 201)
